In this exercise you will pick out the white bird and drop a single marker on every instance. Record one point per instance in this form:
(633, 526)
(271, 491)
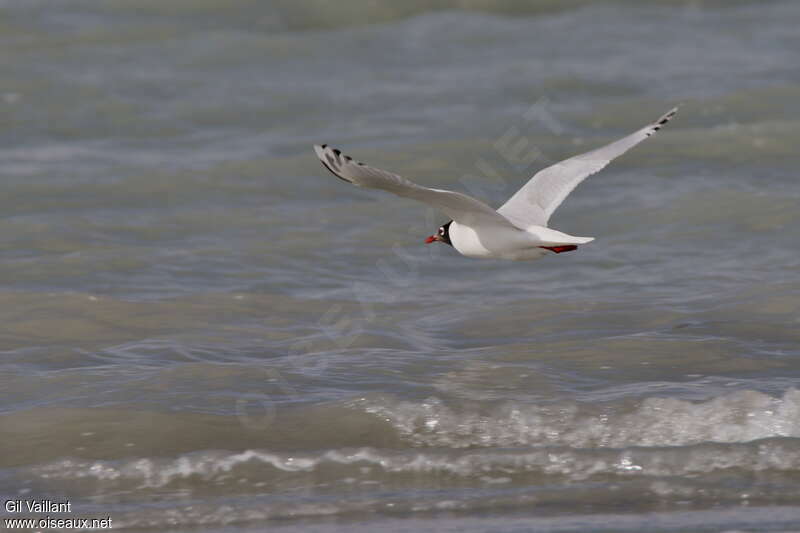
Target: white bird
(518, 229)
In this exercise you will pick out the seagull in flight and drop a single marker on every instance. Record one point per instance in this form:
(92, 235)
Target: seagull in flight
(518, 229)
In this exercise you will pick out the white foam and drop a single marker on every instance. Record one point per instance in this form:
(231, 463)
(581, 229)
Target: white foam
(368, 465)
(737, 417)
(748, 431)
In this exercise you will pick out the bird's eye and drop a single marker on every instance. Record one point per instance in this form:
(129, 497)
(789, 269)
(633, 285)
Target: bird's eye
(441, 231)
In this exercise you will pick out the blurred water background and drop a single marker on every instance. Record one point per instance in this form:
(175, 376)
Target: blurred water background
(203, 330)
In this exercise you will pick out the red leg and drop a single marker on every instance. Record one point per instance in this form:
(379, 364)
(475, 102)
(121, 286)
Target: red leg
(559, 249)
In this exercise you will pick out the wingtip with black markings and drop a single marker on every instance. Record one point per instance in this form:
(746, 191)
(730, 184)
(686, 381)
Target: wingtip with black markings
(666, 117)
(332, 159)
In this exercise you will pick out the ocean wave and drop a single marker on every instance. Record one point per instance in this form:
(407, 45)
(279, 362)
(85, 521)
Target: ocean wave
(741, 416)
(360, 465)
(742, 447)
(745, 430)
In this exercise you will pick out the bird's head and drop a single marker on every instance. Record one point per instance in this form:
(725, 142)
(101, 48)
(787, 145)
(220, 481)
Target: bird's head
(442, 235)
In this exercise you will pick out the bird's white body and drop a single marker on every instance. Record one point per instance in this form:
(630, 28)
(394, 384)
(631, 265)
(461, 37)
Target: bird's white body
(518, 229)
(508, 243)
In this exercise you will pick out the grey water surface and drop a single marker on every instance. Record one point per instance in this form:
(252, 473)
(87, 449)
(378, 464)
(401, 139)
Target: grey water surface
(203, 330)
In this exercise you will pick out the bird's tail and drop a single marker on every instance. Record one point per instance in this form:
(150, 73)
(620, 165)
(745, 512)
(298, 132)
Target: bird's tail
(571, 239)
(551, 237)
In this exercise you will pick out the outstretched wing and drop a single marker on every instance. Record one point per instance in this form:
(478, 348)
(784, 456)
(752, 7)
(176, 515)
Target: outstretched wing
(460, 207)
(536, 200)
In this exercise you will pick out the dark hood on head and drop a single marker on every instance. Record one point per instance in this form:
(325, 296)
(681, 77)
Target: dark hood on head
(446, 235)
